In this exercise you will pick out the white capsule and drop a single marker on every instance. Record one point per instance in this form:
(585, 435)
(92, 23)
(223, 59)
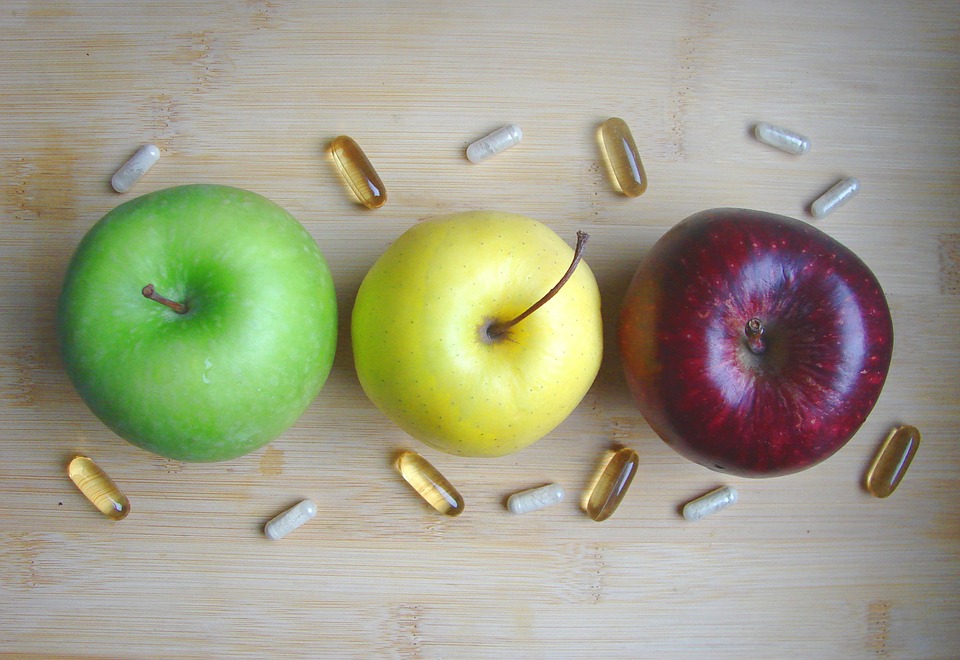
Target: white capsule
(535, 498)
(710, 503)
(781, 138)
(841, 193)
(134, 169)
(500, 139)
(289, 520)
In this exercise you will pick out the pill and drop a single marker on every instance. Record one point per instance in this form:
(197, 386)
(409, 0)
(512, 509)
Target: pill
(709, 504)
(98, 488)
(430, 484)
(501, 139)
(134, 169)
(623, 157)
(535, 498)
(612, 484)
(358, 172)
(781, 138)
(838, 195)
(294, 517)
(892, 460)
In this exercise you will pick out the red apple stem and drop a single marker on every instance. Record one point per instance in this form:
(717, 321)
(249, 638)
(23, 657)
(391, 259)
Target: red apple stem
(754, 333)
(500, 328)
(150, 292)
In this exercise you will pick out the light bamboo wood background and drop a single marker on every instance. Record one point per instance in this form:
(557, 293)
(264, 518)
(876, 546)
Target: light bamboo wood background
(248, 94)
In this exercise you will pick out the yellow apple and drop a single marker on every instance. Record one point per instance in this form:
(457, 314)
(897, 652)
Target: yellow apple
(431, 342)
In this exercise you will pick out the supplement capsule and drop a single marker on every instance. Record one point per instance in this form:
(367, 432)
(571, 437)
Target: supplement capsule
(134, 169)
(289, 520)
(841, 193)
(535, 498)
(781, 138)
(892, 460)
(612, 485)
(709, 504)
(623, 156)
(501, 139)
(98, 488)
(358, 172)
(432, 486)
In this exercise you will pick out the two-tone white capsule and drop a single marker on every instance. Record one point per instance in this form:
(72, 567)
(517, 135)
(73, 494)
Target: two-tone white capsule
(534, 499)
(781, 138)
(294, 517)
(134, 169)
(501, 139)
(838, 195)
(711, 503)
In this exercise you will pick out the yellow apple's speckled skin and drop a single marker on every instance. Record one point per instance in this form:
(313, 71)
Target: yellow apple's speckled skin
(419, 346)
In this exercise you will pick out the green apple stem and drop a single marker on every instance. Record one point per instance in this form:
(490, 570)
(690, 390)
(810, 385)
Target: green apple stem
(500, 328)
(151, 293)
(754, 333)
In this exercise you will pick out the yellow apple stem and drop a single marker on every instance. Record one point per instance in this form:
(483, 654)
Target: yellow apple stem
(500, 328)
(754, 333)
(151, 293)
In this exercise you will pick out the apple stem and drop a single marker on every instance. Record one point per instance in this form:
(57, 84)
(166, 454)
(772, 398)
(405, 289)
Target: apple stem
(500, 328)
(151, 293)
(754, 333)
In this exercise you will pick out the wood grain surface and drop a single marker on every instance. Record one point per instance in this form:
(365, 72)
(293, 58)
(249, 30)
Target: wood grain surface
(249, 94)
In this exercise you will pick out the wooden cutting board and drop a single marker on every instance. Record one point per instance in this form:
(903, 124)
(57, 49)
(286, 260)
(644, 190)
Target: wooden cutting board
(249, 94)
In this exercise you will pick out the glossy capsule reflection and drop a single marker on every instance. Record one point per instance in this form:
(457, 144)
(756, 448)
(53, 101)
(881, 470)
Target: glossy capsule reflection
(98, 488)
(612, 484)
(430, 484)
(624, 159)
(358, 172)
(535, 498)
(892, 460)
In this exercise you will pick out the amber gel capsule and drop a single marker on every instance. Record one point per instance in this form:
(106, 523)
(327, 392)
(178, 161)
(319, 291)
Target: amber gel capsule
(624, 158)
(432, 486)
(98, 488)
(358, 172)
(612, 485)
(892, 460)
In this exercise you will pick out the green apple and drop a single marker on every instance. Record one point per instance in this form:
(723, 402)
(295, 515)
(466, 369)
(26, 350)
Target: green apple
(431, 342)
(198, 322)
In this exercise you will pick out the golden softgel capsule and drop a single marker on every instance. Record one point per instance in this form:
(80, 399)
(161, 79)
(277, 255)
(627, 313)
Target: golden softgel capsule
(358, 172)
(892, 460)
(98, 488)
(623, 157)
(612, 484)
(430, 484)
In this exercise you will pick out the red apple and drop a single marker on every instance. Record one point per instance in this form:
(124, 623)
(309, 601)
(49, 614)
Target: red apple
(755, 344)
